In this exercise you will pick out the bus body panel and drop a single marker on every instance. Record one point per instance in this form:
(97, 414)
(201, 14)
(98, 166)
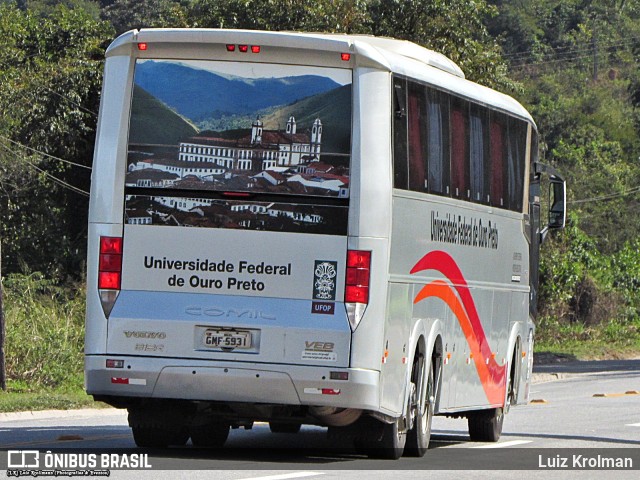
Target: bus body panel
(107, 176)
(278, 334)
(423, 225)
(192, 379)
(370, 205)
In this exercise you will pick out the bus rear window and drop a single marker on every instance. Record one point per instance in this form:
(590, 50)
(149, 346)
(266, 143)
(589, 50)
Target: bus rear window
(240, 127)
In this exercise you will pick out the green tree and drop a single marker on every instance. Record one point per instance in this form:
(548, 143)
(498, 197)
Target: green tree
(126, 15)
(453, 27)
(50, 76)
(345, 16)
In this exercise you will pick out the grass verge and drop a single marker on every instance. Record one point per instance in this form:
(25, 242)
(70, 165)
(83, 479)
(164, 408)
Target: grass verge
(614, 339)
(45, 400)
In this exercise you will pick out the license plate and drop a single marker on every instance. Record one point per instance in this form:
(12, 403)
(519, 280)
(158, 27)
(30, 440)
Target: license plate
(227, 339)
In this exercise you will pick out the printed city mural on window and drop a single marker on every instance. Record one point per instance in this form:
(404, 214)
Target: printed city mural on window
(239, 127)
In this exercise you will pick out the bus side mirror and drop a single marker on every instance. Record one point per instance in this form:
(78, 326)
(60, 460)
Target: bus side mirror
(557, 203)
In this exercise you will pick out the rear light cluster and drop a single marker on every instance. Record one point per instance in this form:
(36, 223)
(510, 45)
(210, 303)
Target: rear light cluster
(356, 293)
(243, 48)
(358, 272)
(109, 271)
(110, 268)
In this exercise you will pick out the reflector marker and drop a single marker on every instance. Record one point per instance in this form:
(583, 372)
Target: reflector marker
(128, 381)
(629, 392)
(321, 391)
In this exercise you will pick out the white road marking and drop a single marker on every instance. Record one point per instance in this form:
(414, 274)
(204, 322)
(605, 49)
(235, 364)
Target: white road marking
(285, 476)
(633, 424)
(512, 443)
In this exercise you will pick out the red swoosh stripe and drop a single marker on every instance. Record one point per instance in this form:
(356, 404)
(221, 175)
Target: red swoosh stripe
(491, 374)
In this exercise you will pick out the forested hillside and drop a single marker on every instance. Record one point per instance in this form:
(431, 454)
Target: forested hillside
(575, 64)
(578, 64)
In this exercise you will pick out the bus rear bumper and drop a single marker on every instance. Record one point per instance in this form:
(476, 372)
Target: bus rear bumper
(145, 377)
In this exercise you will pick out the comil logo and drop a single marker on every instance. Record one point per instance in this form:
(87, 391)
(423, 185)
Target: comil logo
(23, 459)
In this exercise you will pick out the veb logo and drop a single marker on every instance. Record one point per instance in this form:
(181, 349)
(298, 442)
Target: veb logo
(23, 459)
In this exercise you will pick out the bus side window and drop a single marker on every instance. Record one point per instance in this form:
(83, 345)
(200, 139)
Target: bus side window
(479, 171)
(417, 137)
(438, 143)
(400, 167)
(498, 160)
(516, 152)
(459, 149)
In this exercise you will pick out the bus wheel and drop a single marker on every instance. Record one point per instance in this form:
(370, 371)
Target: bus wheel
(147, 436)
(486, 426)
(512, 383)
(210, 435)
(389, 443)
(422, 407)
(277, 427)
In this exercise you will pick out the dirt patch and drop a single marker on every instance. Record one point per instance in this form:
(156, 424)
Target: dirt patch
(546, 358)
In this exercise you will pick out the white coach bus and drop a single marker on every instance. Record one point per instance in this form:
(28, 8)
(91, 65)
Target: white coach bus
(309, 229)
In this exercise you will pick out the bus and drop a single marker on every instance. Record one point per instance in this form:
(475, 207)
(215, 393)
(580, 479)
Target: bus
(310, 229)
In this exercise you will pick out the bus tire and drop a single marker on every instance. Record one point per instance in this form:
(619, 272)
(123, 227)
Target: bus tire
(151, 436)
(389, 445)
(277, 427)
(418, 436)
(210, 435)
(513, 380)
(486, 426)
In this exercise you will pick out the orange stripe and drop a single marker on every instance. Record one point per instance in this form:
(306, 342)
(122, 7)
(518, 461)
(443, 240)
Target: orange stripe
(491, 375)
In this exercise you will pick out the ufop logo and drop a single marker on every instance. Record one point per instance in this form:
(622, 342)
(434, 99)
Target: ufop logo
(324, 285)
(23, 459)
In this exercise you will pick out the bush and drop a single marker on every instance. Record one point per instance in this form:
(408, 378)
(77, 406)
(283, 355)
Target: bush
(44, 333)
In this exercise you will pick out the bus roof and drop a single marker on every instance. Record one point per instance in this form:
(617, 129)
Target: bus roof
(400, 56)
(311, 41)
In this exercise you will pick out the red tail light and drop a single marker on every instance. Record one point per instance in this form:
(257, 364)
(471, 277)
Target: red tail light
(243, 48)
(109, 281)
(110, 263)
(357, 277)
(109, 272)
(111, 245)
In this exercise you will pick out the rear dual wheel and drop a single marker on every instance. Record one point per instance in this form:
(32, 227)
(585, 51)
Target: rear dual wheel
(394, 442)
(486, 426)
(389, 444)
(422, 408)
(210, 435)
(151, 436)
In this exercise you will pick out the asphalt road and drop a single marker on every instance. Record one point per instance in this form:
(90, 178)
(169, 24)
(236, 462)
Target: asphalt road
(575, 405)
